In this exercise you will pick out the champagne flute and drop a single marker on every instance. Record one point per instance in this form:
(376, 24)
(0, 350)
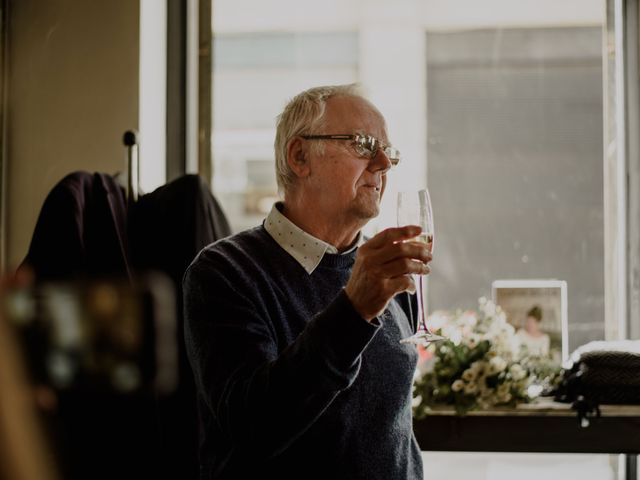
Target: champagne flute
(414, 208)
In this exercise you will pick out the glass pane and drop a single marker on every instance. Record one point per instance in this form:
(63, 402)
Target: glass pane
(255, 73)
(515, 164)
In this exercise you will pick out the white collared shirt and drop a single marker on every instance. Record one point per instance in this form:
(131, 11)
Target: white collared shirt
(306, 249)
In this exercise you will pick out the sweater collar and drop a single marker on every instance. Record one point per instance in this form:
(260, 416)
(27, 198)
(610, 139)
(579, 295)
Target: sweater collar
(306, 249)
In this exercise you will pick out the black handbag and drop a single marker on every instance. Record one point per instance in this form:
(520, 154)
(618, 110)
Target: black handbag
(601, 373)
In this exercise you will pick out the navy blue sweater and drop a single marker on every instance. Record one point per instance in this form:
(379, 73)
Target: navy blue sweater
(292, 382)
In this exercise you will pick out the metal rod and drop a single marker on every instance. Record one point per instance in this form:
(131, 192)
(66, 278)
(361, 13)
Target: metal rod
(133, 165)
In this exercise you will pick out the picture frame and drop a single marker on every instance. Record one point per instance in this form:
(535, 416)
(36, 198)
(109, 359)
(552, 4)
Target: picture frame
(517, 298)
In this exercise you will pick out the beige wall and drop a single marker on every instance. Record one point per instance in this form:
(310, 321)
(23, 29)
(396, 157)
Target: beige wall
(73, 91)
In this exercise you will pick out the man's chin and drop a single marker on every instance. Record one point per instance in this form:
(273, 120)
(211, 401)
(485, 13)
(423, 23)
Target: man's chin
(368, 211)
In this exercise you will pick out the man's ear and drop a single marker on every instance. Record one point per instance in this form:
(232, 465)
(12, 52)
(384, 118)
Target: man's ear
(298, 157)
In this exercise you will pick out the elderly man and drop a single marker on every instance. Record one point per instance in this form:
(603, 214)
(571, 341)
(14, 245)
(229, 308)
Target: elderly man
(293, 328)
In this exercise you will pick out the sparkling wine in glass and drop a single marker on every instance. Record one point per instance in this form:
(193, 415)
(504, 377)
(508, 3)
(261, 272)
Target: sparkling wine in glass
(414, 208)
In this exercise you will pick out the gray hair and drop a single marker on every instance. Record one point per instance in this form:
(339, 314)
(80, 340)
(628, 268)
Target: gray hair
(304, 114)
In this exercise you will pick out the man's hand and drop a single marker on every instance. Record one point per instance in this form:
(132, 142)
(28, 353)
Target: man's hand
(383, 268)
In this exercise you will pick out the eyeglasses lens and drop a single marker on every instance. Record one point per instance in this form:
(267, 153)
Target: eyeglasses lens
(367, 146)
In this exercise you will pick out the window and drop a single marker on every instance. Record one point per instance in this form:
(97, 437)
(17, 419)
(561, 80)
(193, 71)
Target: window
(499, 111)
(496, 106)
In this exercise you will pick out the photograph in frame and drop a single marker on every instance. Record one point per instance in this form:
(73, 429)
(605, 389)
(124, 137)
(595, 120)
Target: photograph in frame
(537, 309)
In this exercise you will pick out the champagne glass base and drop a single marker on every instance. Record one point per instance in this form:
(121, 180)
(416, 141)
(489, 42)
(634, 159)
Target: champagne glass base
(423, 338)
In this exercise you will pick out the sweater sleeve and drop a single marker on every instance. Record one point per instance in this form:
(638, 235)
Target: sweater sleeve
(260, 398)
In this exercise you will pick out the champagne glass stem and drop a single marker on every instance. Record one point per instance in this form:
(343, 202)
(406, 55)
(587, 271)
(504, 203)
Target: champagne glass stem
(422, 305)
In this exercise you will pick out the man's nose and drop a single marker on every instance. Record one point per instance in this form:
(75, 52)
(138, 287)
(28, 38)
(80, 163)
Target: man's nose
(380, 161)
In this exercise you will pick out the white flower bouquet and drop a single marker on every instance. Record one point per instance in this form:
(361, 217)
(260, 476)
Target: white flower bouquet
(481, 364)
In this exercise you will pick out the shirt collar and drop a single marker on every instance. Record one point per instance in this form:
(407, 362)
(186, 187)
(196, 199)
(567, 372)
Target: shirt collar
(306, 249)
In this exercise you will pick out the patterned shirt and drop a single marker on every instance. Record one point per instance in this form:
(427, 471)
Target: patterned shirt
(306, 249)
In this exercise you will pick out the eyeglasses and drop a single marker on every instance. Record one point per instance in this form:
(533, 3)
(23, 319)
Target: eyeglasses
(364, 145)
